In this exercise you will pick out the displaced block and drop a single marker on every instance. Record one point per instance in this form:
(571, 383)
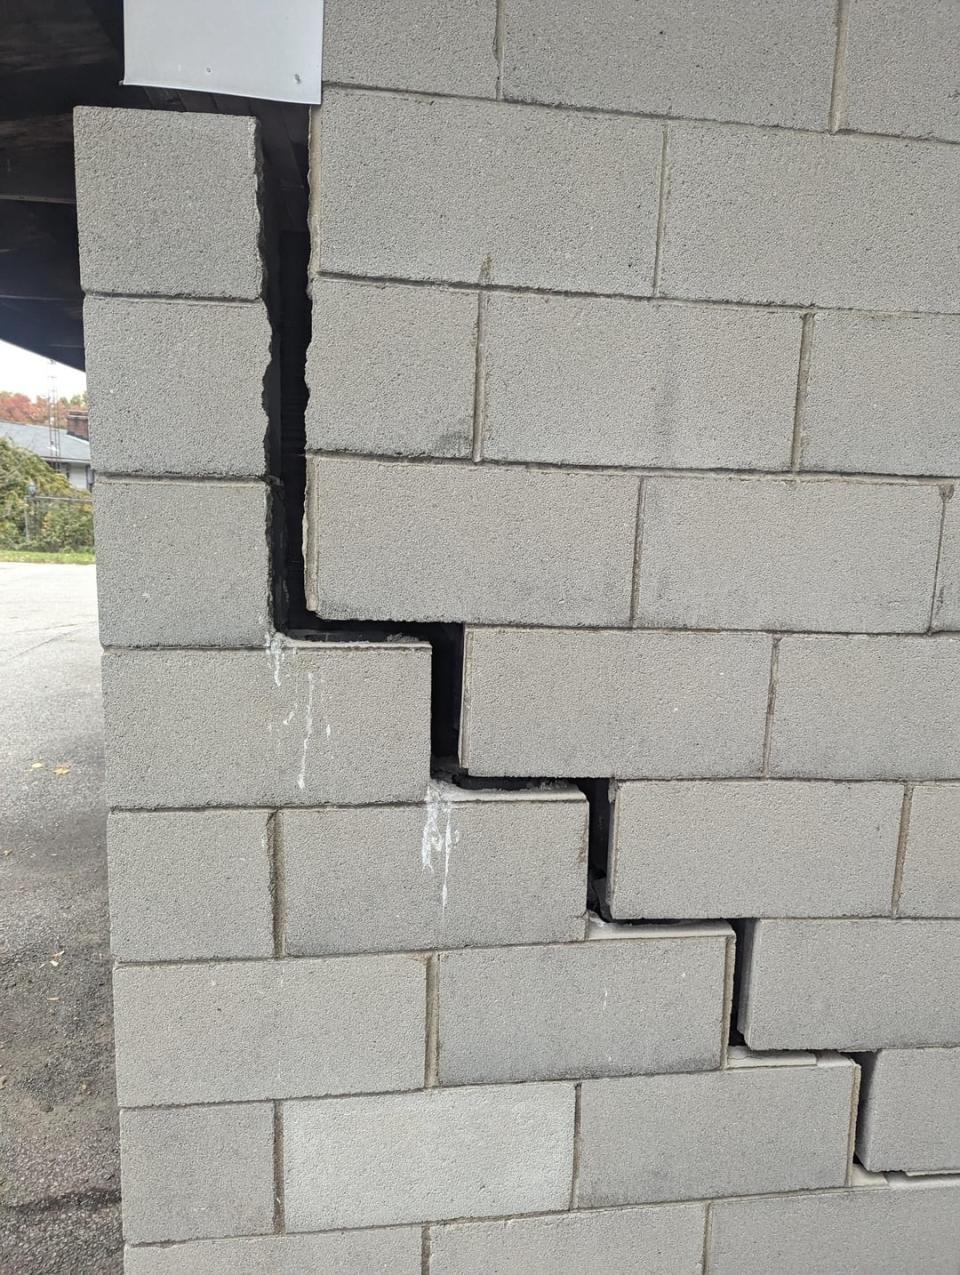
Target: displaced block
(946, 611)
(628, 704)
(811, 219)
(910, 1110)
(168, 203)
(385, 1252)
(397, 541)
(628, 1002)
(430, 45)
(881, 1230)
(667, 1239)
(753, 848)
(851, 984)
(465, 868)
(770, 64)
(752, 1129)
(441, 189)
(882, 394)
(901, 69)
(247, 1030)
(193, 1172)
(441, 1153)
(391, 369)
(735, 553)
(867, 708)
(602, 382)
(930, 884)
(189, 885)
(183, 564)
(297, 724)
(177, 387)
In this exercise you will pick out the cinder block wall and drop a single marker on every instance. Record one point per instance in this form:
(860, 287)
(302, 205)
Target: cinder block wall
(636, 336)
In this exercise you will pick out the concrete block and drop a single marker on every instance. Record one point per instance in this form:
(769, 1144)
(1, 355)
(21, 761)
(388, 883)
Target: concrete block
(867, 708)
(189, 885)
(730, 61)
(748, 1130)
(419, 188)
(440, 1153)
(734, 553)
(753, 848)
(883, 1230)
(247, 1030)
(463, 869)
(851, 984)
(666, 1239)
(177, 387)
(391, 369)
(604, 382)
(182, 563)
(197, 1172)
(946, 610)
(900, 73)
(630, 1001)
(388, 1252)
(168, 203)
(429, 45)
(398, 541)
(910, 1110)
(627, 704)
(882, 394)
(930, 884)
(300, 723)
(811, 219)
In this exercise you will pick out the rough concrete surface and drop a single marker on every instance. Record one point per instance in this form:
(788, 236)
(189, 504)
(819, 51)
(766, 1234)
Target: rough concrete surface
(59, 1181)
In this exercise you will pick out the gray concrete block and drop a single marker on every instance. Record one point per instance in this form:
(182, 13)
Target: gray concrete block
(297, 724)
(629, 1002)
(441, 1153)
(900, 73)
(197, 1172)
(770, 64)
(946, 610)
(440, 189)
(664, 1239)
(390, 540)
(182, 563)
(930, 884)
(734, 553)
(867, 708)
(391, 369)
(882, 1230)
(631, 705)
(851, 984)
(910, 1110)
(188, 885)
(247, 1030)
(168, 203)
(177, 387)
(882, 394)
(429, 45)
(386, 1252)
(805, 218)
(604, 382)
(748, 1130)
(463, 869)
(753, 848)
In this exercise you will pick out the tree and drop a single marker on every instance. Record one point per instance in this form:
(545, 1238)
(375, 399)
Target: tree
(21, 410)
(66, 525)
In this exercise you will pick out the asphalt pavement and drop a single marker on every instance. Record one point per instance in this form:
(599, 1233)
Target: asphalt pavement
(59, 1166)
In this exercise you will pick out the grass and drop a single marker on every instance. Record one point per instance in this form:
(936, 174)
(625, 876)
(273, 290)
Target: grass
(83, 556)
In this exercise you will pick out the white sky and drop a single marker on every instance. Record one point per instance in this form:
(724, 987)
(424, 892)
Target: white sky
(24, 373)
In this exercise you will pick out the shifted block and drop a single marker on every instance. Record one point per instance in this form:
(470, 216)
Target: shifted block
(465, 868)
(392, 1251)
(910, 1110)
(629, 1001)
(930, 884)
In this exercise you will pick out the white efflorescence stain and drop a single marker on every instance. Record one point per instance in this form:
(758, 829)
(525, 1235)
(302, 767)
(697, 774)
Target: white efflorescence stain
(440, 835)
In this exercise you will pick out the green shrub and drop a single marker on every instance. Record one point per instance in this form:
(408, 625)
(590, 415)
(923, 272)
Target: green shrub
(66, 526)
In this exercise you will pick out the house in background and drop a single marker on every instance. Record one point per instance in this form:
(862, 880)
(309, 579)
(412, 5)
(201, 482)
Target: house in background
(63, 450)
